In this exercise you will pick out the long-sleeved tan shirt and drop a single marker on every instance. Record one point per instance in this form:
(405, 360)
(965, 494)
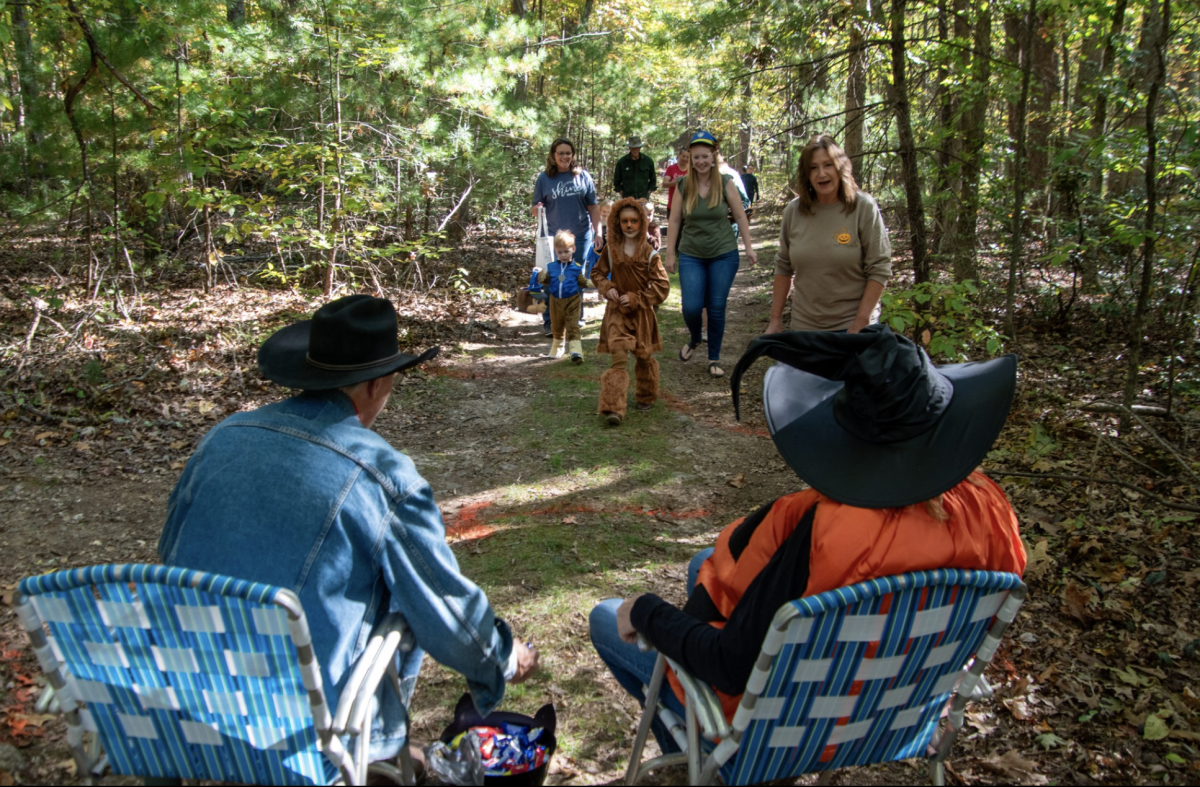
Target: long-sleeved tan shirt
(832, 255)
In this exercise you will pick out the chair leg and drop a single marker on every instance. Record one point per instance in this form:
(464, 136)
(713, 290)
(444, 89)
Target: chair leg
(693, 752)
(648, 712)
(937, 772)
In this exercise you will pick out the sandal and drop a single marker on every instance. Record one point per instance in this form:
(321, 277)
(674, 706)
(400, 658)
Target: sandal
(714, 369)
(685, 352)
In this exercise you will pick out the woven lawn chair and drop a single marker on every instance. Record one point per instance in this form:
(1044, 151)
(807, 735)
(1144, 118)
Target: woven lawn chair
(183, 674)
(854, 676)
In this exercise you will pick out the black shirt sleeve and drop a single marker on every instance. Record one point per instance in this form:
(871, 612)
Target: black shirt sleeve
(724, 658)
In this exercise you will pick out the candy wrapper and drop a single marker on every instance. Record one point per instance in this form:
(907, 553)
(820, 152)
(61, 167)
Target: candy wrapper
(507, 749)
(458, 763)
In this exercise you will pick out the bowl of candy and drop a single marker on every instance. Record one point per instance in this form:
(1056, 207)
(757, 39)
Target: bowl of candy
(511, 749)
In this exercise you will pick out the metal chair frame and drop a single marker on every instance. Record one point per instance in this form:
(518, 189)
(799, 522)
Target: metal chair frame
(711, 744)
(116, 584)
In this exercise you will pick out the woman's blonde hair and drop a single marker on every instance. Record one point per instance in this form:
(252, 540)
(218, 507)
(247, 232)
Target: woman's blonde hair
(552, 164)
(847, 188)
(934, 507)
(716, 191)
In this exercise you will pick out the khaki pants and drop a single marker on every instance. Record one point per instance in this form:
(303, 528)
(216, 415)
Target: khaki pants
(614, 383)
(564, 317)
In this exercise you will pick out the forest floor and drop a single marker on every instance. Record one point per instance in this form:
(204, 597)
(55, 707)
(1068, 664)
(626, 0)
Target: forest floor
(550, 511)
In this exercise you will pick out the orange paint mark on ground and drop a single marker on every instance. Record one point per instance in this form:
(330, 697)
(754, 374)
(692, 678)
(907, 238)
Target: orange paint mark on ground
(466, 525)
(679, 405)
(446, 371)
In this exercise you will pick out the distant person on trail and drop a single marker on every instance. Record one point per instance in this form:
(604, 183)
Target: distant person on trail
(653, 231)
(674, 173)
(568, 194)
(635, 175)
(564, 282)
(708, 255)
(889, 445)
(750, 181)
(601, 236)
(304, 495)
(833, 244)
(638, 284)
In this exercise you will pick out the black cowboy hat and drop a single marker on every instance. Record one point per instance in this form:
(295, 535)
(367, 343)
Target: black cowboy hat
(347, 341)
(868, 420)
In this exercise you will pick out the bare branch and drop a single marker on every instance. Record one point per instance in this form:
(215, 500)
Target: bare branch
(98, 54)
(1089, 480)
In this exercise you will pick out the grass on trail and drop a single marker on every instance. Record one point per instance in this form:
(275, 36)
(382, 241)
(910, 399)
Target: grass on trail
(548, 551)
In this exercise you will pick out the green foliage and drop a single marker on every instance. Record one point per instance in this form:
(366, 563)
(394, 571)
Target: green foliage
(944, 317)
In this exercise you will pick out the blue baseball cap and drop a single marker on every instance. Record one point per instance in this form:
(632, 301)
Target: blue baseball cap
(703, 138)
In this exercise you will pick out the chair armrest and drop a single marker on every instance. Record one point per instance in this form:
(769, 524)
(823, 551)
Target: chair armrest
(360, 712)
(703, 699)
(393, 623)
(700, 695)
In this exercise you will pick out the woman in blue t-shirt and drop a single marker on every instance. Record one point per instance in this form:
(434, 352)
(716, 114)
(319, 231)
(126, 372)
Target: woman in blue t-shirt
(568, 194)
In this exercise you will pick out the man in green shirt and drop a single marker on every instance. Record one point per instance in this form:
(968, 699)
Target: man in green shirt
(635, 175)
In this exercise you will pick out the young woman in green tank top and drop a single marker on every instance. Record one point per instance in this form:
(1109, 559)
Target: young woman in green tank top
(708, 256)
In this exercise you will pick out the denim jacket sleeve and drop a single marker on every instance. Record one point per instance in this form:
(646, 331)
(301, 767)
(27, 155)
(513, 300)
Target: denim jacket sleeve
(449, 614)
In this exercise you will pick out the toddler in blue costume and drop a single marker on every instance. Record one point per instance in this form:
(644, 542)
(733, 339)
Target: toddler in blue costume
(564, 283)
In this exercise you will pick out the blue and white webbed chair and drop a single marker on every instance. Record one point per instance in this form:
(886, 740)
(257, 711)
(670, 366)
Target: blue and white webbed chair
(869, 673)
(182, 674)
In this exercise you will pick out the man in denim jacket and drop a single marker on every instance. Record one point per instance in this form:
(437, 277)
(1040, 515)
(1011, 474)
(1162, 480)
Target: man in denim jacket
(303, 495)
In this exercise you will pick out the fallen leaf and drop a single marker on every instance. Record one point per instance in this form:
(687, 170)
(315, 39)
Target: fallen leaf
(1039, 561)
(1012, 765)
(1155, 729)
(205, 407)
(33, 719)
(1050, 741)
(738, 481)
(1019, 708)
(568, 520)
(1076, 600)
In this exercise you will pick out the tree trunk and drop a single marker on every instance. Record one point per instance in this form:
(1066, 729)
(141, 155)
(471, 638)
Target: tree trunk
(973, 120)
(26, 73)
(908, 152)
(1040, 112)
(1156, 64)
(520, 88)
(856, 88)
(943, 210)
(1107, 57)
(1138, 76)
(1018, 170)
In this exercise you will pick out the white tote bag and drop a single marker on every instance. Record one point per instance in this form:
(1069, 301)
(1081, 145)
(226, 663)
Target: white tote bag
(545, 243)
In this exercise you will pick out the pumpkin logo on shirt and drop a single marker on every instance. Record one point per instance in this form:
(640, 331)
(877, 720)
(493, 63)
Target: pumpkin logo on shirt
(843, 237)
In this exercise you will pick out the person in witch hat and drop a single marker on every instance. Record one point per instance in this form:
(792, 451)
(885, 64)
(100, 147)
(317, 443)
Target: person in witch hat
(889, 445)
(304, 495)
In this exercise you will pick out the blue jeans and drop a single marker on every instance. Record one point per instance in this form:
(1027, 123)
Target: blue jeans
(704, 284)
(631, 667)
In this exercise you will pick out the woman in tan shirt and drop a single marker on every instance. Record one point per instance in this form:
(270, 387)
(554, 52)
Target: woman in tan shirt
(833, 244)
